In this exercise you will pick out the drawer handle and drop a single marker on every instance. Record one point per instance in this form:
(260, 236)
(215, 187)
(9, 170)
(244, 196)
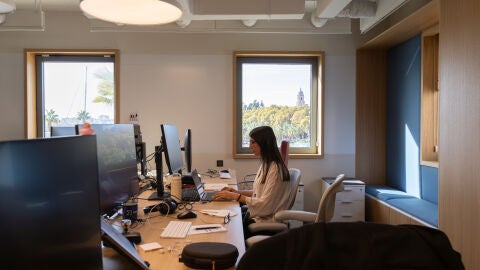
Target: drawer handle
(346, 202)
(346, 215)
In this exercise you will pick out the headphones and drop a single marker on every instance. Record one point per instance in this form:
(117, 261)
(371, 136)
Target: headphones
(168, 206)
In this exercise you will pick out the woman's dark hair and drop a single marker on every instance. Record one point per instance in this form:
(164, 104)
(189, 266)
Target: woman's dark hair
(265, 138)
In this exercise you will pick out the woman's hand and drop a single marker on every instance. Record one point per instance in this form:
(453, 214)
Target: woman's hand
(226, 195)
(230, 189)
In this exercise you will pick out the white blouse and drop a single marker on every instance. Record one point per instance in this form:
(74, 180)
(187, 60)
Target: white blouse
(269, 197)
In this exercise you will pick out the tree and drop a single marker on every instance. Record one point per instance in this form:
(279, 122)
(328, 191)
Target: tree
(105, 88)
(51, 117)
(83, 116)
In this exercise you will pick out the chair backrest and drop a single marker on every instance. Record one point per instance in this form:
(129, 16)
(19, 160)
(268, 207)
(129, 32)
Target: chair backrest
(326, 206)
(284, 150)
(295, 175)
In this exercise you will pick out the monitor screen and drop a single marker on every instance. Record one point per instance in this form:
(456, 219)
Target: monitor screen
(117, 165)
(172, 149)
(187, 148)
(49, 209)
(62, 131)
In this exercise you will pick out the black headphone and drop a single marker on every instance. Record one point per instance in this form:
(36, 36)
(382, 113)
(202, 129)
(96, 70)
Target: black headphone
(168, 206)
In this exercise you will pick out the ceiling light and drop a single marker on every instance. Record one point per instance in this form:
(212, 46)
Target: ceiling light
(136, 12)
(7, 6)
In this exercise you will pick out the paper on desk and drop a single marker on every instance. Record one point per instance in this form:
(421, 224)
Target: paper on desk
(225, 175)
(217, 213)
(151, 246)
(197, 229)
(215, 186)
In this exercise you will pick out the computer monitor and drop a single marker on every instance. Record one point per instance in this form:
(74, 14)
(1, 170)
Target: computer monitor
(56, 131)
(187, 149)
(171, 148)
(117, 165)
(50, 204)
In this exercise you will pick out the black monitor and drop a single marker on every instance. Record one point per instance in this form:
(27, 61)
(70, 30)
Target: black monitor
(187, 149)
(117, 165)
(50, 210)
(56, 131)
(171, 148)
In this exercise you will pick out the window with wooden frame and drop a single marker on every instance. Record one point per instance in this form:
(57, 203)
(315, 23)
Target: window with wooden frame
(283, 90)
(68, 87)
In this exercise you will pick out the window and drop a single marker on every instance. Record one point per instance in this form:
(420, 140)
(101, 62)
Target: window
(68, 88)
(281, 90)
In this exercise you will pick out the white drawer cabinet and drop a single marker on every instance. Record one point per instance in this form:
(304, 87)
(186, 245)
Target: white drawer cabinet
(298, 205)
(350, 203)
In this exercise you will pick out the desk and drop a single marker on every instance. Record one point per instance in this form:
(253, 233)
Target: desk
(153, 227)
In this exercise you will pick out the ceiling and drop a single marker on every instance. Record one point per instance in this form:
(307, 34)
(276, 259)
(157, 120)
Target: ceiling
(273, 16)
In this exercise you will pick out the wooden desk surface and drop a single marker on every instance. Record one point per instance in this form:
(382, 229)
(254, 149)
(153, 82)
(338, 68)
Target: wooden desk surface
(167, 258)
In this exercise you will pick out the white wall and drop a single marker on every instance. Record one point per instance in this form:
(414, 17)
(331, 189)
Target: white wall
(186, 80)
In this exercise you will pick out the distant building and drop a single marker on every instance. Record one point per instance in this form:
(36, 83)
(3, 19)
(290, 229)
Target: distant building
(300, 98)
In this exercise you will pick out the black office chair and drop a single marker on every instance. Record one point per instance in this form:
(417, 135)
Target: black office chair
(352, 246)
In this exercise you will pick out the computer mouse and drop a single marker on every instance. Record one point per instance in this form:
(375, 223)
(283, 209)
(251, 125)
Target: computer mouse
(187, 214)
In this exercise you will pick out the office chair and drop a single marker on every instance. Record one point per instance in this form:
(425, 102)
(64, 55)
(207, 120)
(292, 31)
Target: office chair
(326, 208)
(354, 245)
(284, 151)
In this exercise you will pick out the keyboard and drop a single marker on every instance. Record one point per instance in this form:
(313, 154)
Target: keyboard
(176, 229)
(190, 195)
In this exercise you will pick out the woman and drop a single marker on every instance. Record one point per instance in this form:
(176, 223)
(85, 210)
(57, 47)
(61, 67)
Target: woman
(271, 187)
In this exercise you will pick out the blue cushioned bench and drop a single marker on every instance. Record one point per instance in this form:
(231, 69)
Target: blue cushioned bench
(423, 210)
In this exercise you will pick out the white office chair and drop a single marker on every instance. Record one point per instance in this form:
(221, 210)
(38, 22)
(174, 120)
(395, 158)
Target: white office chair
(325, 211)
(276, 227)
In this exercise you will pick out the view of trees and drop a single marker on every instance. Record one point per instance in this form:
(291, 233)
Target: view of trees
(105, 95)
(292, 123)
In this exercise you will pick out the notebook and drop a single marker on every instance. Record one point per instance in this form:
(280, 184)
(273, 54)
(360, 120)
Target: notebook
(203, 195)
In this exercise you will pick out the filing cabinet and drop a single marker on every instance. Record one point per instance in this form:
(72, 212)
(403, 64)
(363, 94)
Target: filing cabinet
(350, 203)
(298, 205)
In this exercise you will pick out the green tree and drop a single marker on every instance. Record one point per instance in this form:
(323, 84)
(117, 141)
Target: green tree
(51, 117)
(105, 89)
(83, 116)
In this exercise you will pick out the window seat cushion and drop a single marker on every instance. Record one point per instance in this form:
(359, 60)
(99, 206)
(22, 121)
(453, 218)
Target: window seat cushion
(419, 208)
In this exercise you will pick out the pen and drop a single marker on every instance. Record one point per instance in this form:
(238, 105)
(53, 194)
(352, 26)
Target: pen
(206, 228)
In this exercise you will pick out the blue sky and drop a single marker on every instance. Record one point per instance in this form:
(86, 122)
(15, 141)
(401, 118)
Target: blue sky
(275, 84)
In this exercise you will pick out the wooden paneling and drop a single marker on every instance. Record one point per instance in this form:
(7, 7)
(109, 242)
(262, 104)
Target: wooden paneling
(429, 130)
(370, 140)
(380, 212)
(459, 167)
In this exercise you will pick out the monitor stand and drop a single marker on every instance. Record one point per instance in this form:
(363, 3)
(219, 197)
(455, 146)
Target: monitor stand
(160, 194)
(156, 197)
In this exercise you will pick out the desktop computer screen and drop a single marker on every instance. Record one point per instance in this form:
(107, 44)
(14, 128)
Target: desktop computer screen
(50, 212)
(56, 131)
(187, 149)
(171, 148)
(117, 165)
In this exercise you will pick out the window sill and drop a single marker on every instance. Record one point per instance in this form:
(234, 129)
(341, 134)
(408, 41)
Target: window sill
(429, 163)
(292, 156)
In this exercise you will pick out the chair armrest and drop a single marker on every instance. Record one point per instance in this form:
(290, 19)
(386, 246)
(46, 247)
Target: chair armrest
(273, 227)
(304, 216)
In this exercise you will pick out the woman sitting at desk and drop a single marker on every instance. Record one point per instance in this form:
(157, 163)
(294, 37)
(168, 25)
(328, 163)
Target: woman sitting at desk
(271, 187)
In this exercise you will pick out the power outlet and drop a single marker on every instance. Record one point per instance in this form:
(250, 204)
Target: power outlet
(220, 163)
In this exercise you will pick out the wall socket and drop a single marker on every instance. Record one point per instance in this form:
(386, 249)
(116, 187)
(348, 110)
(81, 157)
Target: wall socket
(220, 163)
